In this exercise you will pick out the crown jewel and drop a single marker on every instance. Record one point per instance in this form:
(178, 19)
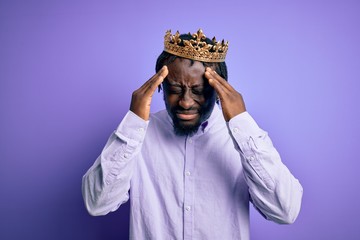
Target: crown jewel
(196, 48)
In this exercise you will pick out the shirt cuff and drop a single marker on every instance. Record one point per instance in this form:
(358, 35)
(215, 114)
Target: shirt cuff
(242, 126)
(132, 128)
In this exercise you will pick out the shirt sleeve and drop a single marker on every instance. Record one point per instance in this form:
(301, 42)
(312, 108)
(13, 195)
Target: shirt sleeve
(106, 184)
(274, 191)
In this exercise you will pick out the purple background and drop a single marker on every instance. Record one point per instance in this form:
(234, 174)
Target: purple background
(68, 69)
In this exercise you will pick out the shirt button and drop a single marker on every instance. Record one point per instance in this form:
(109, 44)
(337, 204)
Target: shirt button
(190, 140)
(235, 130)
(141, 130)
(187, 173)
(126, 155)
(188, 208)
(252, 158)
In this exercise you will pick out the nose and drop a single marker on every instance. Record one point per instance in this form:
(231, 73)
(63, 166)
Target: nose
(186, 101)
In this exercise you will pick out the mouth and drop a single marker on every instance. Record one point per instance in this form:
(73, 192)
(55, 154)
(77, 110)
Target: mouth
(187, 116)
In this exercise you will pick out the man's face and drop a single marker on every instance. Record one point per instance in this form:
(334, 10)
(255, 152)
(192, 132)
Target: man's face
(189, 98)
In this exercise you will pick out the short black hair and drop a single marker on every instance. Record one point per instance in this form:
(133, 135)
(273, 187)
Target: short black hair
(166, 58)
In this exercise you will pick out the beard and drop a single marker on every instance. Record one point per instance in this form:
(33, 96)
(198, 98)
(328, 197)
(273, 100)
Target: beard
(185, 130)
(189, 128)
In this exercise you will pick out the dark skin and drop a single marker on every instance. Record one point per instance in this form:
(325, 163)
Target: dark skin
(188, 89)
(232, 102)
(189, 98)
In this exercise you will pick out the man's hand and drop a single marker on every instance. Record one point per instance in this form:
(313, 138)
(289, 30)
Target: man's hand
(141, 98)
(232, 102)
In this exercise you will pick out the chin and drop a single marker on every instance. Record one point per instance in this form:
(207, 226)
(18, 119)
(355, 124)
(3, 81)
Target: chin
(186, 128)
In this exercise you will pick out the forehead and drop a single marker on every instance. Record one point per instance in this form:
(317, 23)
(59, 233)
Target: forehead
(183, 72)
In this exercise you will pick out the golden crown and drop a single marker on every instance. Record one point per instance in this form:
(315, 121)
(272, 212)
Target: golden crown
(196, 48)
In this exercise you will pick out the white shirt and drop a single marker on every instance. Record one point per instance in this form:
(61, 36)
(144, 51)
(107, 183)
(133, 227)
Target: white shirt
(191, 187)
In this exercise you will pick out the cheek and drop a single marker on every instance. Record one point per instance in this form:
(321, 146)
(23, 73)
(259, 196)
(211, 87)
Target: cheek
(200, 99)
(207, 101)
(170, 100)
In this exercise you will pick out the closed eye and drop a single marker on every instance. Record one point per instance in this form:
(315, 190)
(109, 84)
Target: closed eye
(198, 91)
(175, 90)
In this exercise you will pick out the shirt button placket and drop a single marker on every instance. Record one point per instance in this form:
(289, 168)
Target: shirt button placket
(188, 188)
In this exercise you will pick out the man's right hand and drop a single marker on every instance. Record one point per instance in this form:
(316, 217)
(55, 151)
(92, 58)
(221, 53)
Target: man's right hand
(141, 98)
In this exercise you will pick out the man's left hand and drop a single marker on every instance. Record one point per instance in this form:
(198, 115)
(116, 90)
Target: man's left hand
(232, 102)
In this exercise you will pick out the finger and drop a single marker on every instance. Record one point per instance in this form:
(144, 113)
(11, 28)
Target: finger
(220, 90)
(216, 84)
(153, 79)
(213, 74)
(156, 81)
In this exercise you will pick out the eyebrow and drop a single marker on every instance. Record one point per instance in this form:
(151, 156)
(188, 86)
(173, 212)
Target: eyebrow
(171, 83)
(174, 84)
(197, 86)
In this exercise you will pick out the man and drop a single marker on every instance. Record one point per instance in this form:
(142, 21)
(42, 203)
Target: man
(193, 168)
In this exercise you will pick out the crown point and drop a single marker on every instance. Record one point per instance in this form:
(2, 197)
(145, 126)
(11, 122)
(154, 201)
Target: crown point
(195, 48)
